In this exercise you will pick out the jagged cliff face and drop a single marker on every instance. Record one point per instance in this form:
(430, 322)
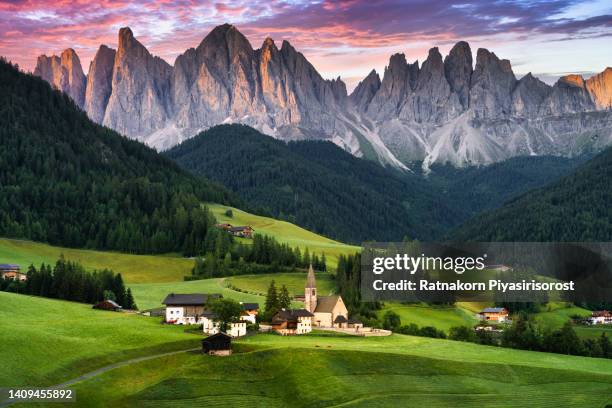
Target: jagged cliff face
(64, 73)
(445, 110)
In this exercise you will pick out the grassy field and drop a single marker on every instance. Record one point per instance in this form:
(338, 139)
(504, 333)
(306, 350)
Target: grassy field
(133, 268)
(322, 371)
(254, 287)
(440, 317)
(285, 232)
(46, 341)
(67, 339)
(293, 281)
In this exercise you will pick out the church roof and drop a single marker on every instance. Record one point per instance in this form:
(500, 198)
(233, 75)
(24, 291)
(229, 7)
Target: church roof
(310, 280)
(340, 319)
(326, 304)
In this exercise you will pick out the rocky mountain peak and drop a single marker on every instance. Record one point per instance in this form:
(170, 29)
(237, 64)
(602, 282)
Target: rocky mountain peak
(600, 88)
(491, 86)
(64, 73)
(572, 80)
(458, 71)
(99, 83)
(365, 91)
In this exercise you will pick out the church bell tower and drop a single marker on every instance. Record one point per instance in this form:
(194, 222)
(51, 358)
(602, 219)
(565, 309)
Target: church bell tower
(310, 291)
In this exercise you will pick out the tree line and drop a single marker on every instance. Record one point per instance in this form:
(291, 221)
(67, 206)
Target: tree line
(69, 280)
(224, 257)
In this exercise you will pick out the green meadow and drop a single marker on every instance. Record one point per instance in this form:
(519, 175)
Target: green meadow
(286, 232)
(441, 317)
(65, 340)
(133, 268)
(293, 281)
(48, 341)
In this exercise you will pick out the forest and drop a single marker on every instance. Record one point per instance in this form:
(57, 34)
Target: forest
(67, 181)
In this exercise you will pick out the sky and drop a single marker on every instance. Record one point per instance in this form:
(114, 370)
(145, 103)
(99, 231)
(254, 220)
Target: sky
(346, 38)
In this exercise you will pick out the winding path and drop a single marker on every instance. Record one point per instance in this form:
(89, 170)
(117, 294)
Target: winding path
(99, 371)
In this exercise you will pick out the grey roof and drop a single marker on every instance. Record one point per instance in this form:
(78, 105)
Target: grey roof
(250, 306)
(290, 315)
(340, 319)
(9, 266)
(493, 310)
(188, 299)
(241, 228)
(354, 321)
(326, 304)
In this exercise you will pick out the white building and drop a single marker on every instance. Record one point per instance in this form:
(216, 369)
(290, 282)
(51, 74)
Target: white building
(249, 312)
(187, 308)
(600, 317)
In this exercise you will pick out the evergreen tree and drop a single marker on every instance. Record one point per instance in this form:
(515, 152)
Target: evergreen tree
(284, 299)
(272, 301)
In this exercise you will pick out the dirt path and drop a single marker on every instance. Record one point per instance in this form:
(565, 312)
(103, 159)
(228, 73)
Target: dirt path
(99, 371)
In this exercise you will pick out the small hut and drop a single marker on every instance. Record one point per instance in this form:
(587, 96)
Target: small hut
(219, 344)
(108, 305)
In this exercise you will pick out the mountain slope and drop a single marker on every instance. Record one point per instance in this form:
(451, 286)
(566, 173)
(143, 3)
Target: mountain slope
(445, 110)
(575, 208)
(320, 187)
(315, 184)
(67, 181)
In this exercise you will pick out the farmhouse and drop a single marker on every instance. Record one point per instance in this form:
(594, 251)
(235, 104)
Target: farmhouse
(242, 231)
(249, 312)
(12, 272)
(328, 311)
(290, 322)
(219, 344)
(495, 314)
(600, 317)
(107, 305)
(188, 308)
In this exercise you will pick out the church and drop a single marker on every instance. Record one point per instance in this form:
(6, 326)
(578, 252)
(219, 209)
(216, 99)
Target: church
(328, 311)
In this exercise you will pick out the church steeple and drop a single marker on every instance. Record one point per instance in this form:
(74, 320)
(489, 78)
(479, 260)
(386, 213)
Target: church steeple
(310, 291)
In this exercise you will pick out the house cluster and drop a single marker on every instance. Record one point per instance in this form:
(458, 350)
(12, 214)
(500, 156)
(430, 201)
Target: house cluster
(243, 231)
(600, 317)
(319, 311)
(494, 314)
(12, 272)
(191, 308)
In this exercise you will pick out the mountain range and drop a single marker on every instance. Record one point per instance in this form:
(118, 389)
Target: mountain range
(444, 110)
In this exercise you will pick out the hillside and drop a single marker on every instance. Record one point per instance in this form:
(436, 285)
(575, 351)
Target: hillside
(322, 188)
(314, 184)
(67, 181)
(575, 208)
(321, 369)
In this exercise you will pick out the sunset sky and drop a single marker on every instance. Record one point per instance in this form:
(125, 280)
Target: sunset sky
(346, 38)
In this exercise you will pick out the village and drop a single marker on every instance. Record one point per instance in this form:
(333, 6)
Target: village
(324, 313)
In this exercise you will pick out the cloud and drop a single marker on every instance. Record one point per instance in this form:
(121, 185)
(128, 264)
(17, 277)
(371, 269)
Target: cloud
(336, 35)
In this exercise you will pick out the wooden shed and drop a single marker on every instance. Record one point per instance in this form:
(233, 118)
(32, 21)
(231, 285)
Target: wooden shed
(219, 344)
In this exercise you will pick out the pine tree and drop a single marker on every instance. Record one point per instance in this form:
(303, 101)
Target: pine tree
(272, 301)
(284, 299)
(129, 301)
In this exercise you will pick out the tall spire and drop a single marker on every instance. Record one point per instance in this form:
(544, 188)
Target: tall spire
(310, 280)
(310, 292)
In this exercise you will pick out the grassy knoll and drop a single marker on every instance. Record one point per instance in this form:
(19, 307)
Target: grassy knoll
(294, 282)
(133, 268)
(440, 317)
(254, 287)
(150, 295)
(46, 341)
(285, 232)
(318, 371)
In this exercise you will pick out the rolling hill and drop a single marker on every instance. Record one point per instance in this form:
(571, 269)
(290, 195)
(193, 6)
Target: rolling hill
(68, 181)
(269, 370)
(575, 208)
